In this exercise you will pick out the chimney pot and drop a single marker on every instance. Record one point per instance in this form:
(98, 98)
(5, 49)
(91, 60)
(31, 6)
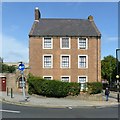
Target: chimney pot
(90, 18)
(36, 8)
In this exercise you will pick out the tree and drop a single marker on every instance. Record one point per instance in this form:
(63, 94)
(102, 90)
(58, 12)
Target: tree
(7, 69)
(4, 68)
(108, 68)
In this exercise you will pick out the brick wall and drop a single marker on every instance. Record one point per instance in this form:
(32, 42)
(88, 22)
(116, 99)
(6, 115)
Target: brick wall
(93, 71)
(12, 81)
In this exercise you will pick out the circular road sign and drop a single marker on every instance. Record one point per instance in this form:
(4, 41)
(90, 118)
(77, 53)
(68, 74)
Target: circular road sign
(21, 67)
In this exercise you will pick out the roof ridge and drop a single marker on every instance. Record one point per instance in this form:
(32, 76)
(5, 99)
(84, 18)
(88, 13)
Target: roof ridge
(33, 27)
(94, 25)
(62, 19)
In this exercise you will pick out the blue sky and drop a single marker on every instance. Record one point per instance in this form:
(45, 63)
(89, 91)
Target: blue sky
(17, 20)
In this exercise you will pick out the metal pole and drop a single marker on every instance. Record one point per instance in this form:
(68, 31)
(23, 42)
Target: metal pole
(11, 93)
(7, 91)
(23, 85)
(117, 75)
(117, 60)
(110, 75)
(118, 90)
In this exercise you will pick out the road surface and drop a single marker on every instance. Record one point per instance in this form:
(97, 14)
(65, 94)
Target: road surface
(16, 111)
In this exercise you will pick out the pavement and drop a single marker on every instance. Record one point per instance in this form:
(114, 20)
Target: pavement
(40, 101)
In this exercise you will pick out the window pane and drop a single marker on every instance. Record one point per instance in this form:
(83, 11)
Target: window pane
(47, 78)
(82, 80)
(82, 43)
(47, 43)
(65, 79)
(82, 61)
(65, 42)
(47, 61)
(65, 61)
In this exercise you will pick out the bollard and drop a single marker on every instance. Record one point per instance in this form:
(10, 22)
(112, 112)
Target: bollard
(7, 91)
(11, 93)
(118, 97)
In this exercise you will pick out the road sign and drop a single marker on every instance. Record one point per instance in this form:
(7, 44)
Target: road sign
(21, 67)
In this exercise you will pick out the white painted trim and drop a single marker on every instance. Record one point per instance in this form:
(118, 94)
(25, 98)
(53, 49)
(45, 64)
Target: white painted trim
(51, 43)
(86, 43)
(51, 60)
(36, 20)
(61, 61)
(48, 76)
(83, 83)
(83, 76)
(61, 43)
(65, 76)
(86, 61)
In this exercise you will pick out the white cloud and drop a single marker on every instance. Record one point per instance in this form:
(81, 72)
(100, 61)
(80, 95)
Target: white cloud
(14, 50)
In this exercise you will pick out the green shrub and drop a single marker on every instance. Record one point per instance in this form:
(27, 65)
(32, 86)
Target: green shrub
(94, 87)
(34, 84)
(74, 88)
(51, 88)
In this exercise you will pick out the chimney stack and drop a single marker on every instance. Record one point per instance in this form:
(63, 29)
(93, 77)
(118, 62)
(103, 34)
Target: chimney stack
(90, 18)
(37, 14)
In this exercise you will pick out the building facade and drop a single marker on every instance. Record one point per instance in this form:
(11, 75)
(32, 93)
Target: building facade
(65, 49)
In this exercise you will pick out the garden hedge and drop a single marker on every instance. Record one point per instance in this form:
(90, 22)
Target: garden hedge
(56, 88)
(51, 88)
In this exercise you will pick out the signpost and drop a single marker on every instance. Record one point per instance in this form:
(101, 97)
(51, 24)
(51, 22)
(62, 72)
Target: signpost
(21, 67)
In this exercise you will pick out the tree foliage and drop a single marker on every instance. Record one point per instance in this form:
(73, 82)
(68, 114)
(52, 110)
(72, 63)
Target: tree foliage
(108, 67)
(6, 68)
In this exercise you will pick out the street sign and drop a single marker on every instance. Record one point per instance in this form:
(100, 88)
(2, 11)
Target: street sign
(21, 67)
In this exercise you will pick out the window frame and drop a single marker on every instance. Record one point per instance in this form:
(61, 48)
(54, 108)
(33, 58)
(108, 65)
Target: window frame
(65, 76)
(61, 42)
(51, 61)
(48, 76)
(86, 62)
(86, 43)
(61, 61)
(82, 76)
(51, 43)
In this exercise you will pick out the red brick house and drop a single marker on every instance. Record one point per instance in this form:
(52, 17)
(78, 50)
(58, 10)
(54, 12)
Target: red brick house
(65, 49)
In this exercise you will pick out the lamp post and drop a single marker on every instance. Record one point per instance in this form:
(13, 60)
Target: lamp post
(117, 76)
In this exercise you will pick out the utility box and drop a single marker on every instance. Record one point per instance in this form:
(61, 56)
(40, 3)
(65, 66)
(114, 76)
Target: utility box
(2, 83)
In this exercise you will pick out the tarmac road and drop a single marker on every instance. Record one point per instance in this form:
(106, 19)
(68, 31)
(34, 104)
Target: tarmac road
(16, 111)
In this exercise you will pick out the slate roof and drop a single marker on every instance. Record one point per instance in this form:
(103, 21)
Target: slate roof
(64, 27)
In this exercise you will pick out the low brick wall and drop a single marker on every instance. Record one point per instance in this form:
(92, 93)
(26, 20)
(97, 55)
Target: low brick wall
(12, 82)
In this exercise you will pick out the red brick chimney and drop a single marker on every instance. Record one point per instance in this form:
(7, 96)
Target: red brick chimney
(37, 14)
